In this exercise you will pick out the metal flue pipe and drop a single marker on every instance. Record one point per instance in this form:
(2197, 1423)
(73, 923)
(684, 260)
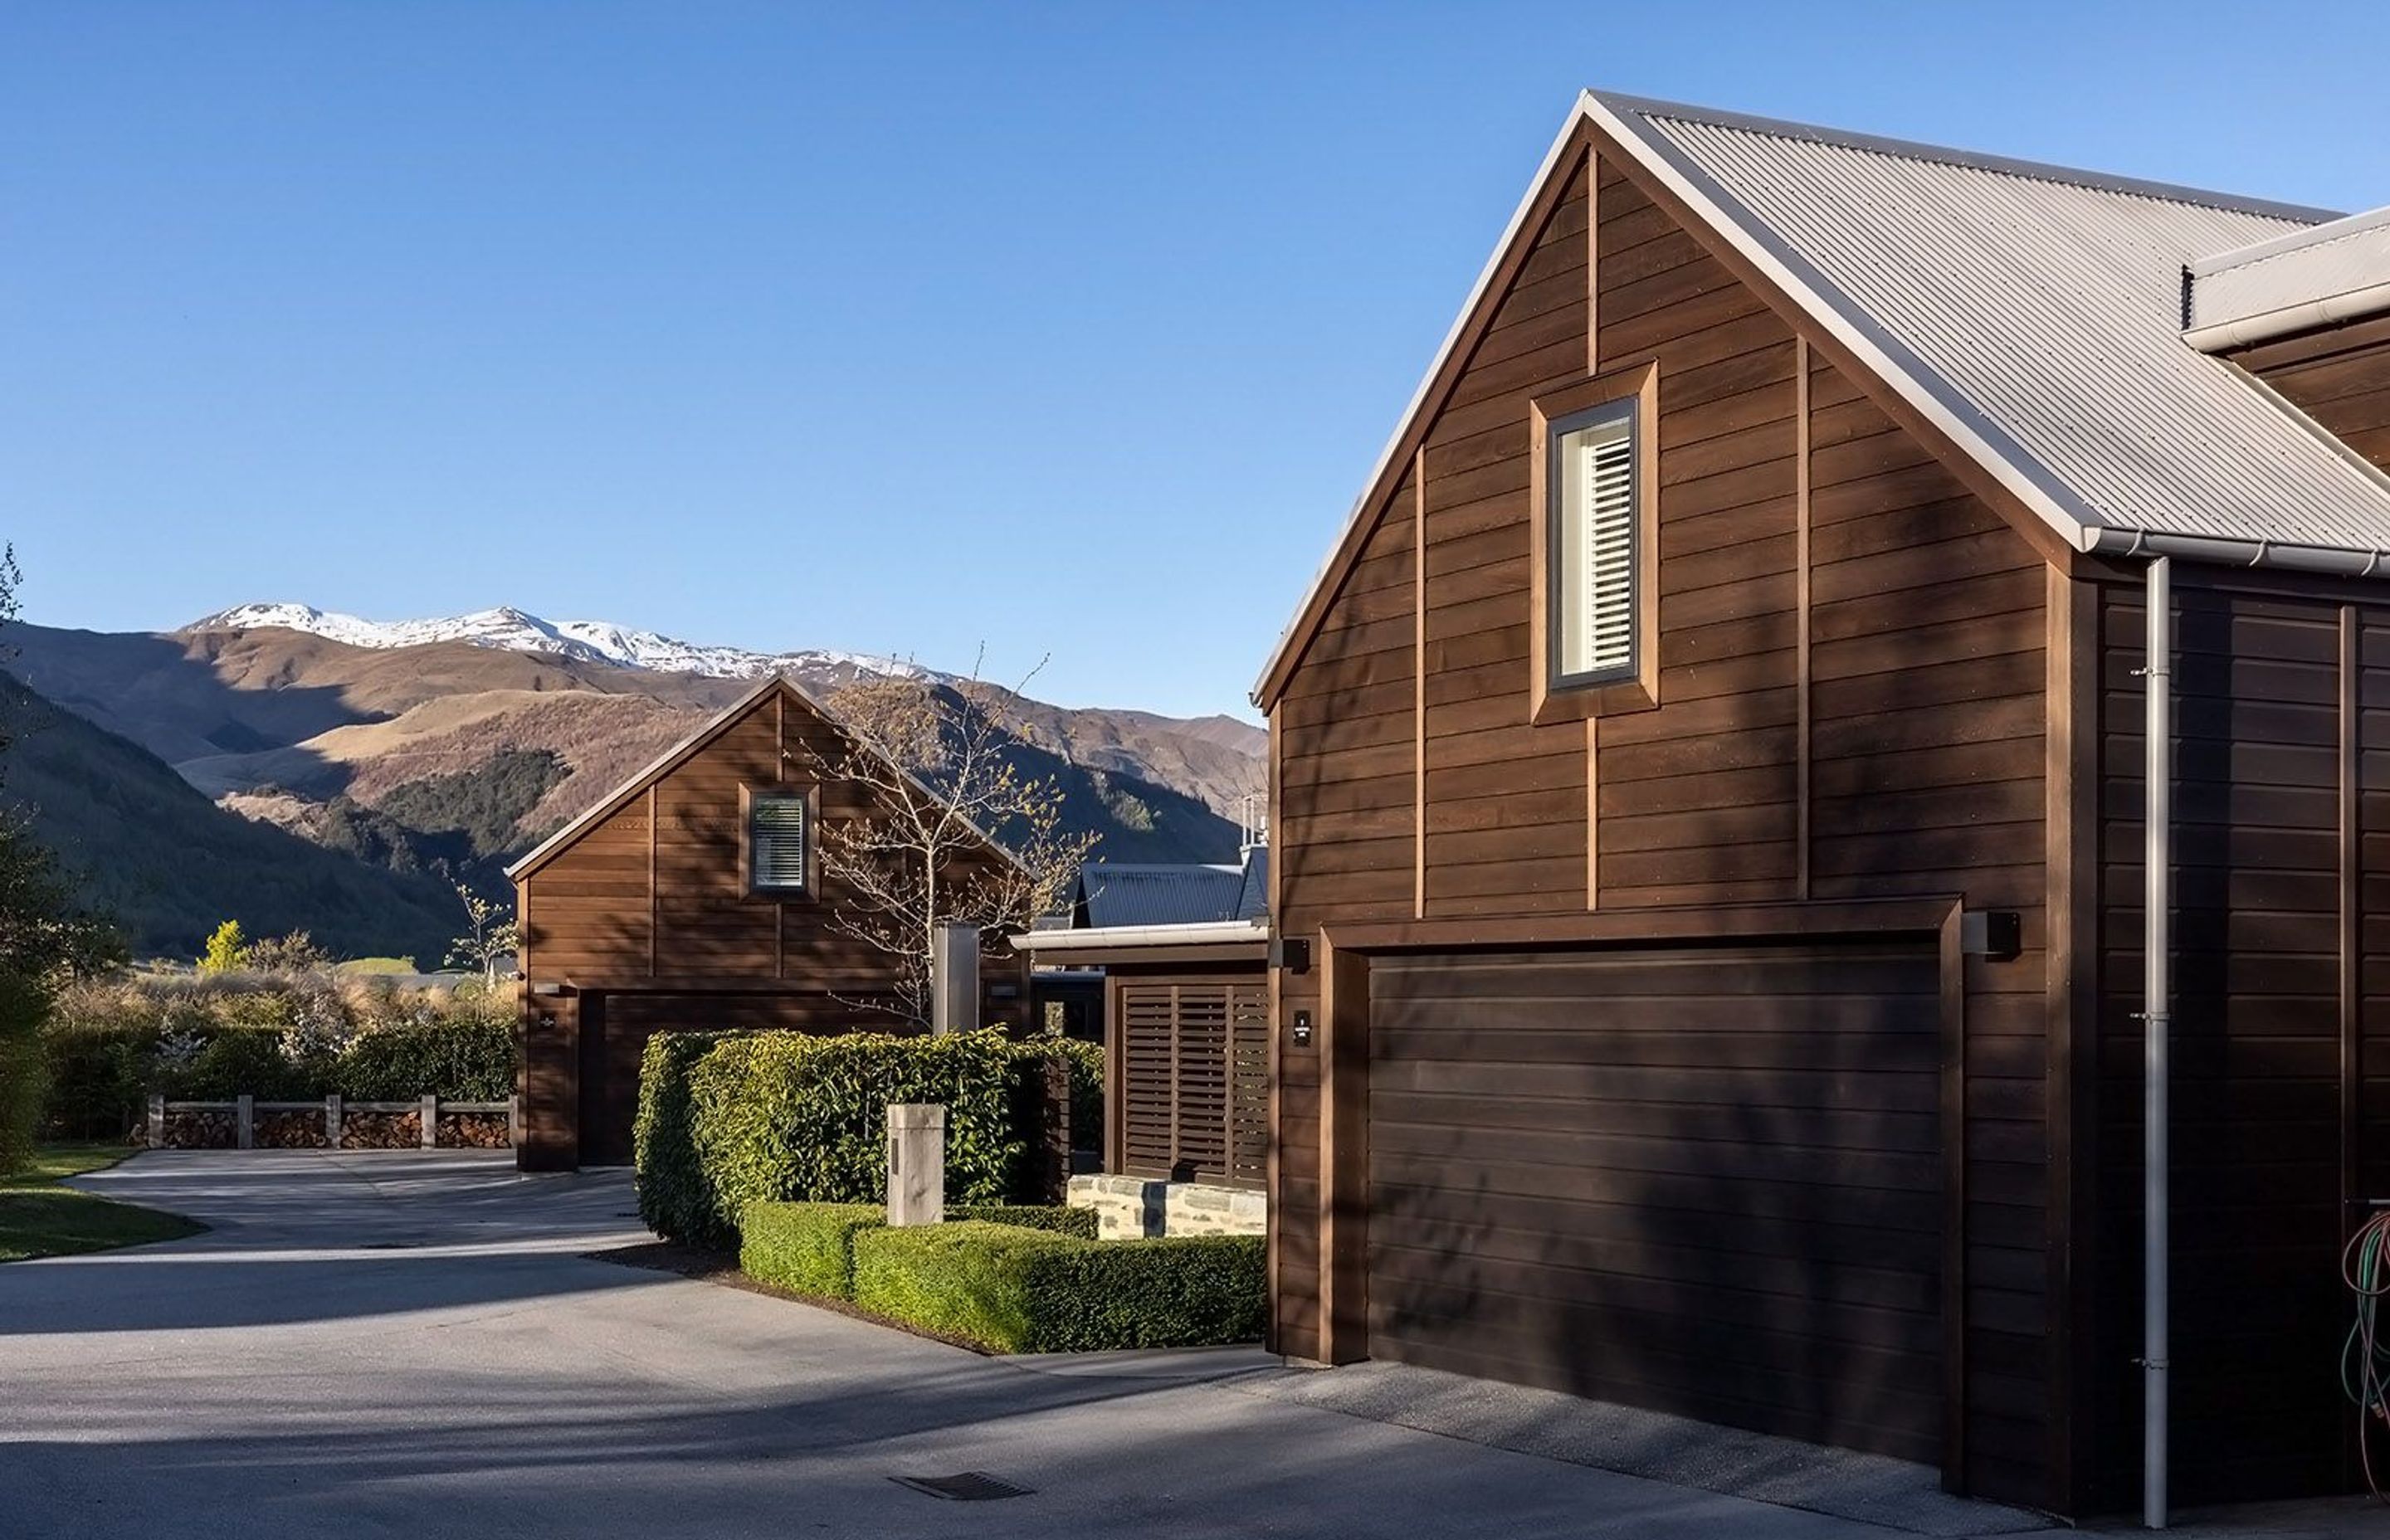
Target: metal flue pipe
(2157, 868)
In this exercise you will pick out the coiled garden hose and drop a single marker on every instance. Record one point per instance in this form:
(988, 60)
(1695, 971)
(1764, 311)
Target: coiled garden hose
(2365, 1360)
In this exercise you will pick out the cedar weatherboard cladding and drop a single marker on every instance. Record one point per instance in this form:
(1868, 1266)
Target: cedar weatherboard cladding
(1412, 785)
(646, 916)
(2340, 376)
(1882, 686)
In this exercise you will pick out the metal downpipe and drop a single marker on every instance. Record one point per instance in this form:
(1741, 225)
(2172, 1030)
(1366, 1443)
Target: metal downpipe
(2157, 869)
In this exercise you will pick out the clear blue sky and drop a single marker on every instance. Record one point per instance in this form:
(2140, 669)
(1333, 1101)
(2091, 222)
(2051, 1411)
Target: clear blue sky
(1070, 329)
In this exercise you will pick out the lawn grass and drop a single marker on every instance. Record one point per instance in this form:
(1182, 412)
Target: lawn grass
(39, 1218)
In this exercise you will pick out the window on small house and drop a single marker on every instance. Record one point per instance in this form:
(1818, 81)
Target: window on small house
(1592, 537)
(780, 837)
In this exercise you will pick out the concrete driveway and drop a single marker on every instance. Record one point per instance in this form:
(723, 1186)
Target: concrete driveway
(370, 1344)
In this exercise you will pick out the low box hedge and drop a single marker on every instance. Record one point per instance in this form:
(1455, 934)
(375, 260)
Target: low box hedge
(1021, 1290)
(809, 1248)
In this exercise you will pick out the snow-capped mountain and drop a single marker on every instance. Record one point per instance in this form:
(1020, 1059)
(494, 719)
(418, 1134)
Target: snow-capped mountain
(514, 630)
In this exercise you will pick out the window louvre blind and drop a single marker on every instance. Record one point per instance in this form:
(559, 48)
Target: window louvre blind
(1610, 547)
(1594, 541)
(776, 841)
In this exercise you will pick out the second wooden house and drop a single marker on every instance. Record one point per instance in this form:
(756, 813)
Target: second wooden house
(694, 897)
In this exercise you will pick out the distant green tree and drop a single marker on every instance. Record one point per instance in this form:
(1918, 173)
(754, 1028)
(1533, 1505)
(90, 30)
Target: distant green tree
(227, 950)
(491, 938)
(44, 940)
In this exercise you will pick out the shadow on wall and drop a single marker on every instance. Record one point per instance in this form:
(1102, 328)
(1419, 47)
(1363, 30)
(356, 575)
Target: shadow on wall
(1668, 1203)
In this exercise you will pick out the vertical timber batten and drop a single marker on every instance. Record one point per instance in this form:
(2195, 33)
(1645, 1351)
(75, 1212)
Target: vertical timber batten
(1419, 683)
(1343, 1153)
(2071, 1001)
(1593, 813)
(1953, 959)
(1801, 769)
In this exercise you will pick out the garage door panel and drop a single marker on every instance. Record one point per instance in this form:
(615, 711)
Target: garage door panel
(1785, 1047)
(1890, 1426)
(1469, 1222)
(1883, 1207)
(1699, 1179)
(1899, 1132)
(1757, 1160)
(1523, 1228)
(1748, 1284)
(1869, 974)
(1863, 1398)
(1794, 1090)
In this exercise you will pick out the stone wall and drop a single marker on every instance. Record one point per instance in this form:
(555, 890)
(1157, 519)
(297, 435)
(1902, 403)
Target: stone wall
(1131, 1206)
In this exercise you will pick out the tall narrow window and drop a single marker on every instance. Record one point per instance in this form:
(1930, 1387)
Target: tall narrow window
(780, 837)
(1591, 483)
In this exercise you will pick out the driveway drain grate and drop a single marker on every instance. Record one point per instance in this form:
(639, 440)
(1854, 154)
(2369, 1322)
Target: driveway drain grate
(972, 1486)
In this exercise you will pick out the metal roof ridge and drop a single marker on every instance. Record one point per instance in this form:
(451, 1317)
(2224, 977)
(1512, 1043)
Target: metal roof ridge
(2346, 227)
(1915, 149)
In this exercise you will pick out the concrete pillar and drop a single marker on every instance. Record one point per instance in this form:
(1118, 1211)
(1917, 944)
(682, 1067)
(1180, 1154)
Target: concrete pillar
(431, 1118)
(514, 1123)
(333, 1122)
(244, 1118)
(916, 1164)
(158, 1122)
(953, 980)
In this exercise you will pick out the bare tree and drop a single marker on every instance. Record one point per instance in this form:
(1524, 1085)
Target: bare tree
(939, 762)
(491, 936)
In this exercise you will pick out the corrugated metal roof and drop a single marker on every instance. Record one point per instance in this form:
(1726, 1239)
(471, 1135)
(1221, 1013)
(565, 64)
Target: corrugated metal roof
(2043, 310)
(1138, 895)
(2317, 263)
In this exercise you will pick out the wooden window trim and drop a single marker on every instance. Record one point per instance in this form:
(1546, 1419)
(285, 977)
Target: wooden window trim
(810, 891)
(1549, 702)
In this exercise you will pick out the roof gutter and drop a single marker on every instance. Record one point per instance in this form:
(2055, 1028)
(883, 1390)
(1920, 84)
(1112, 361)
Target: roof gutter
(2249, 330)
(2275, 555)
(1102, 938)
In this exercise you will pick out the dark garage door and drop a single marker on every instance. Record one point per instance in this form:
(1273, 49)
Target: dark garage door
(615, 1026)
(1698, 1180)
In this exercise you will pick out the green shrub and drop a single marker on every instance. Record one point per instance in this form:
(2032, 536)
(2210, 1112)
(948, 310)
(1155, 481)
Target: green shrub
(676, 1197)
(471, 1058)
(108, 1045)
(1019, 1290)
(1061, 1220)
(23, 1073)
(1087, 1065)
(780, 1116)
(808, 1248)
(976, 1281)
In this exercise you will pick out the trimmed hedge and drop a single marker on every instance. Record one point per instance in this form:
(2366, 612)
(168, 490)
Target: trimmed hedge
(809, 1248)
(728, 1120)
(805, 1247)
(1017, 1290)
(676, 1198)
(1058, 1217)
(1086, 1061)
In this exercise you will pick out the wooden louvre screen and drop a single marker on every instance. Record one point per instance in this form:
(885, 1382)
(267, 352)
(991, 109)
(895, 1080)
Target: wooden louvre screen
(1195, 1081)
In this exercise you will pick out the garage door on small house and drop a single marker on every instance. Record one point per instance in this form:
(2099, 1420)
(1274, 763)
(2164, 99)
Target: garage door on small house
(1704, 1181)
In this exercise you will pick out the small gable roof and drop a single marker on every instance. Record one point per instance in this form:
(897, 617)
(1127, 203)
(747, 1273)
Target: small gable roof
(687, 749)
(2032, 314)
